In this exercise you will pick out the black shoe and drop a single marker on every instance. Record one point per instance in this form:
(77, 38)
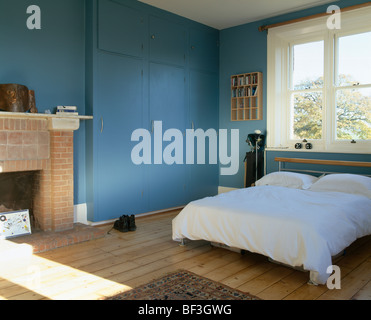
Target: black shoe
(122, 224)
(132, 226)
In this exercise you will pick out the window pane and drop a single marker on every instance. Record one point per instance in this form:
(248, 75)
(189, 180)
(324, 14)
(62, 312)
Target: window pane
(308, 65)
(353, 114)
(354, 66)
(307, 115)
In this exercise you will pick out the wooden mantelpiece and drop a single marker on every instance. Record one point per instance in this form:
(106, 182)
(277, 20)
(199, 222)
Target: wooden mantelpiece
(22, 115)
(55, 121)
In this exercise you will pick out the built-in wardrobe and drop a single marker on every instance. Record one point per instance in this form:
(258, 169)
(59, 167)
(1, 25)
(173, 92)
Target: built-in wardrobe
(145, 65)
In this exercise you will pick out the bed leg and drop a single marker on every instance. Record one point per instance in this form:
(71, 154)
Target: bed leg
(182, 243)
(312, 283)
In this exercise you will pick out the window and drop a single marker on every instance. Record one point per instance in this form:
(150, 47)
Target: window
(319, 84)
(306, 91)
(353, 87)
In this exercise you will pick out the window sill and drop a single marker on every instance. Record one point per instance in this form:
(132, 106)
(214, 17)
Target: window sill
(340, 149)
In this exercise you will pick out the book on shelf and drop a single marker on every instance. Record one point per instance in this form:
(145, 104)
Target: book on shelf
(67, 110)
(241, 81)
(254, 79)
(67, 113)
(254, 91)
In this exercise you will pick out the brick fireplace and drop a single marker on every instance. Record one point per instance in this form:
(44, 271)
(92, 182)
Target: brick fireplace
(45, 146)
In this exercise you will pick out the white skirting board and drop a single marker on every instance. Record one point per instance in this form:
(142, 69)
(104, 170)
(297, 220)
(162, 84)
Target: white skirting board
(81, 214)
(81, 211)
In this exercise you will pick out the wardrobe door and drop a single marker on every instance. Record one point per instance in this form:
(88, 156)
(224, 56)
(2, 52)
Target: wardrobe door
(204, 50)
(167, 42)
(118, 112)
(203, 178)
(167, 107)
(121, 29)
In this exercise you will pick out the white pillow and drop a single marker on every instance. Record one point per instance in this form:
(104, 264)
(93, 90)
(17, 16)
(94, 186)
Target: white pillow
(344, 182)
(287, 179)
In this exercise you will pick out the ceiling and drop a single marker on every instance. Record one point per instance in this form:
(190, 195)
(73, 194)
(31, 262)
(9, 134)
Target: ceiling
(222, 14)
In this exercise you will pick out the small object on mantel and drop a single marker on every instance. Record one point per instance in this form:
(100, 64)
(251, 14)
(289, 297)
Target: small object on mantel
(67, 110)
(33, 108)
(15, 98)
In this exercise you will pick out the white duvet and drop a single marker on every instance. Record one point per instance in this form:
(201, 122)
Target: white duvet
(296, 227)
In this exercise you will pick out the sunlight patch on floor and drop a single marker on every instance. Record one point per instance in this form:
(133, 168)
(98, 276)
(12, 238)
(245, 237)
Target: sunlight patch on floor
(26, 276)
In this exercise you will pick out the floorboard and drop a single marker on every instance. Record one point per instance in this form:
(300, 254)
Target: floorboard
(120, 261)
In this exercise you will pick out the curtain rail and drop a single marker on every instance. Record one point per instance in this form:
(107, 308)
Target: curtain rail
(319, 15)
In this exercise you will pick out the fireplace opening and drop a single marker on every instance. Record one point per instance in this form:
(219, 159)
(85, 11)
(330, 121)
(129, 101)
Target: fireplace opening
(17, 190)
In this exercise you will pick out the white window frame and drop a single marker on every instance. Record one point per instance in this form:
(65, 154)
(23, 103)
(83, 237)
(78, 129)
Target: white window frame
(280, 40)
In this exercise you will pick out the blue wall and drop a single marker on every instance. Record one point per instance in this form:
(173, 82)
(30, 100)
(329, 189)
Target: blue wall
(50, 61)
(244, 49)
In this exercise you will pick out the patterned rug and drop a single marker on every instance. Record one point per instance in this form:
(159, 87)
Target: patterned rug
(183, 285)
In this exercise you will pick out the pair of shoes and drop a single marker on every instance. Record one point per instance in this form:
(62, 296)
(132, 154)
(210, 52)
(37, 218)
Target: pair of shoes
(131, 222)
(125, 224)
(122, 224)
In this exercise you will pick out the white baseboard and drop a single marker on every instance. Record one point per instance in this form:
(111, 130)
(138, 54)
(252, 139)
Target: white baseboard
(99, 223)
(81, 213)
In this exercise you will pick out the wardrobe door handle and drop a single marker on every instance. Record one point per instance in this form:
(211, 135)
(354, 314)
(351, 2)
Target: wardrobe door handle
(101, 125)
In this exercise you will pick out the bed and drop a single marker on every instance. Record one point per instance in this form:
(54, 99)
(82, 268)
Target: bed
(292, 218)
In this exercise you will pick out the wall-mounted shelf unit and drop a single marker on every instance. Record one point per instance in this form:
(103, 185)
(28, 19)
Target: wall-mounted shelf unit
(247, 96)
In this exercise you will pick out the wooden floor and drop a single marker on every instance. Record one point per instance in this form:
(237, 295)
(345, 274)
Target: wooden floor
(119, 262)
